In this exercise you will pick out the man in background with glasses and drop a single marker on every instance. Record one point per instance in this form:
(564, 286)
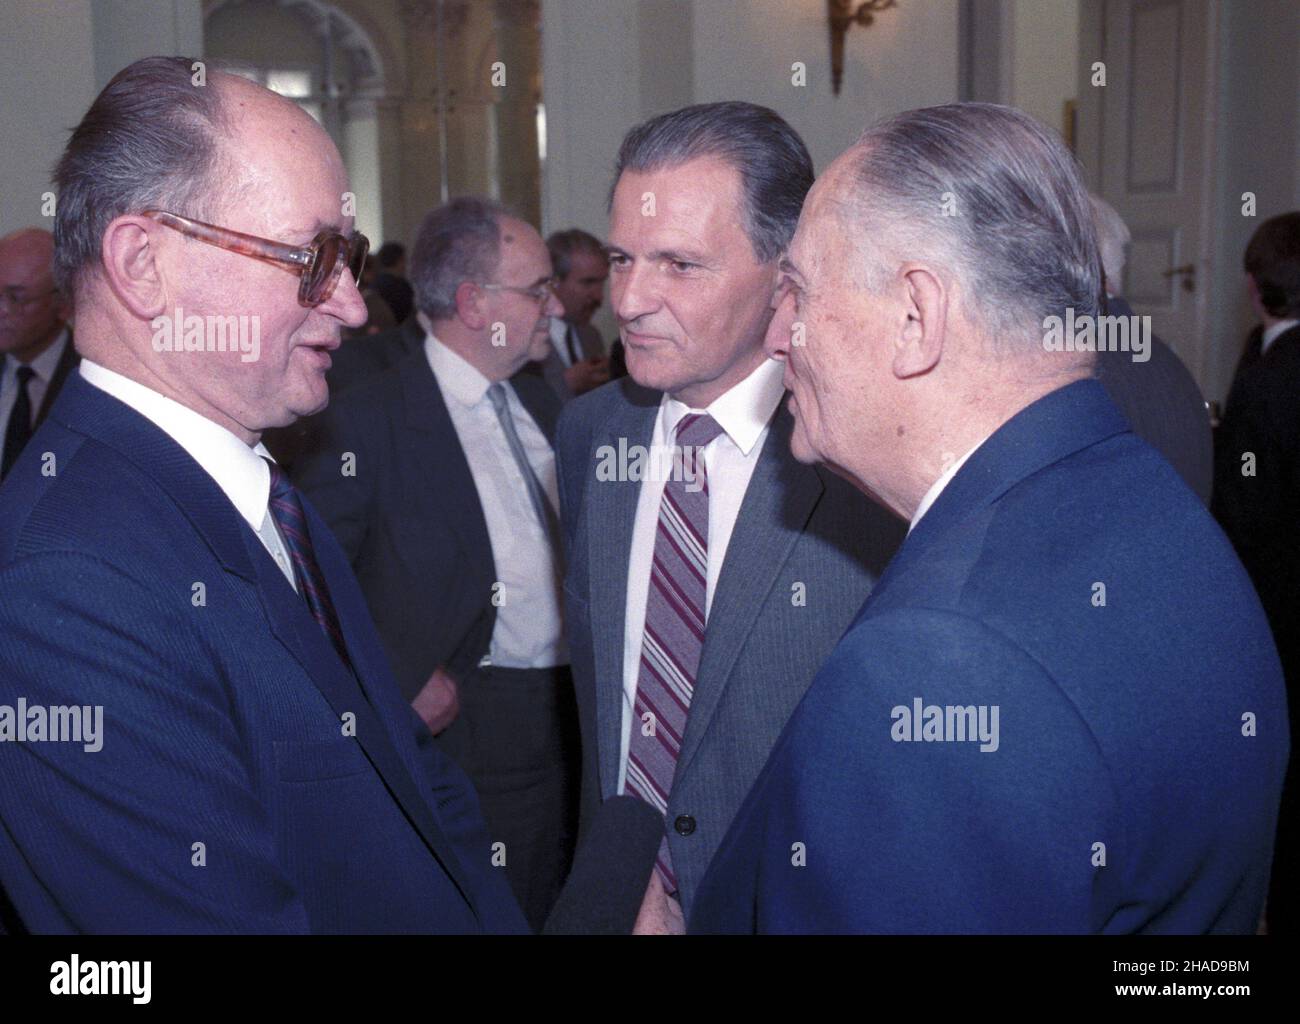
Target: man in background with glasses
(36, 350)
(208, 737)
(438, 478)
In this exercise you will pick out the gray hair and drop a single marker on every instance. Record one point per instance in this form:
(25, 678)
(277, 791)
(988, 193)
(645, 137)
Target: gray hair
(1112, 236)
(990, 193)
(151, 140)
(563, 244)
(459, 241)
(775, 169)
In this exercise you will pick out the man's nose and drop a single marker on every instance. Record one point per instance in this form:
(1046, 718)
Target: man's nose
(346, 303)
(632, 293)
(777, 340)
(553, 307)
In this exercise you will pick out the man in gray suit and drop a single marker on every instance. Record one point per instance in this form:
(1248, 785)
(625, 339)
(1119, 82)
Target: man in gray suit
(709, 573)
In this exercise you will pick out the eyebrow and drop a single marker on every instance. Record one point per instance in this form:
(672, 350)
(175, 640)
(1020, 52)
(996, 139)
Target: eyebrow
(680, 255)
(318, 225)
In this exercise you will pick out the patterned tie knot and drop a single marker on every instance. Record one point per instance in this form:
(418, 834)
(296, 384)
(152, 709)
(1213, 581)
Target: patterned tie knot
(281, 487)
(696, 429)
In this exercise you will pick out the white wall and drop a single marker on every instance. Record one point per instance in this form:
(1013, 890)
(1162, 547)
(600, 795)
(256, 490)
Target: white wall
(906, 59)
(1044, 57)
(55, 56)
(650, 56)
(47, 79)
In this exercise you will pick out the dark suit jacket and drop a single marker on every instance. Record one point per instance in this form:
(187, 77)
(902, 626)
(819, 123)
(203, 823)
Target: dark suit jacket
(410, 519)
(132, 583)
(1119, 724)
(552, 368)
(1163, 405)
(1261, 512)
(68, 361)
(798, 525)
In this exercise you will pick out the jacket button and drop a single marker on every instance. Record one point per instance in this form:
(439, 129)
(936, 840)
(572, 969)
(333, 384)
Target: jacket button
(684, 824)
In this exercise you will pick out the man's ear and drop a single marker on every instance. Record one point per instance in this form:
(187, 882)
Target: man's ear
(920, 342)
(469, 305)
(131, 268)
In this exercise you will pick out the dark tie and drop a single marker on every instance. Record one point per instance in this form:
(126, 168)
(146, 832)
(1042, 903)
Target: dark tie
(571, 338)
(674, 628)
(286, 509)
(19, 430)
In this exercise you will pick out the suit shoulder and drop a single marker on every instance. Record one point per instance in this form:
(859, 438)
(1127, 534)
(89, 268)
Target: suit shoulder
(70, 511)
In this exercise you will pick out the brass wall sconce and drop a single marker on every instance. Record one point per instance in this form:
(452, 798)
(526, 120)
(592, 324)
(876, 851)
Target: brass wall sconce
(842, 15)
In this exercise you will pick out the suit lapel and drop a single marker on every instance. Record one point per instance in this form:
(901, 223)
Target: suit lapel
(539, 401)
(612, 515)
(87, 410)
(434, 454)
(780, 498)
(67, 360)
(344, 691)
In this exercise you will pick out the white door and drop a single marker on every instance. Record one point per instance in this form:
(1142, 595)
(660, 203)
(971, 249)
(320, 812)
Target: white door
(1145, 139)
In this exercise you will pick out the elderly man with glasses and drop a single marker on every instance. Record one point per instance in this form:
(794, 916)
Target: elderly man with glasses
(438, 477)
(209, 737)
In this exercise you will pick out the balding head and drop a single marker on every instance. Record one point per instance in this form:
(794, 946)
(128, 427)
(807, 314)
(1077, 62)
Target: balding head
(32, 311)
(926, 261)
(160, 300)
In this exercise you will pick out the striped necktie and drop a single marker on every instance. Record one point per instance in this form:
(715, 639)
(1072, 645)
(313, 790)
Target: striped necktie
(286, 509)
(674, 627)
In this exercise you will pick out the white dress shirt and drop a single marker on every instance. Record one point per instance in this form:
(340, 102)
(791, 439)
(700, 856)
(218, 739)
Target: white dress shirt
(43, 368)
(236, 468)
(744, 414)
(1272, 334)
(529, 628)
(936, 488)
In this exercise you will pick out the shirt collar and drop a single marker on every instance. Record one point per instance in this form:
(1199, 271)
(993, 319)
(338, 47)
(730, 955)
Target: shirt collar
(456, 377)
(238, 470)
(1274, 332)
(742, 412)
(936, 488)
(46, 363)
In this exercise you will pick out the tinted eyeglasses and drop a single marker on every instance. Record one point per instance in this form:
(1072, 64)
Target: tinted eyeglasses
(319, 264)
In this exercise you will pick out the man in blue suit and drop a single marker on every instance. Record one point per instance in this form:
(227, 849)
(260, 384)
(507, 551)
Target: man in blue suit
(253, 766)
(1060, 709)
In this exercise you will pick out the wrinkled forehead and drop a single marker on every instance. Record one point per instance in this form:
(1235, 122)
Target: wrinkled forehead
(827, 225)
(287, 173)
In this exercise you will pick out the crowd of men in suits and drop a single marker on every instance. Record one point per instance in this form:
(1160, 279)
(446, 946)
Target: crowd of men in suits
(901, 620)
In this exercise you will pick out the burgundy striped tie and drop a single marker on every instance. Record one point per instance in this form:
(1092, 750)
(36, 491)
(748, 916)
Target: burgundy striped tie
(286, 509)
(674, 627)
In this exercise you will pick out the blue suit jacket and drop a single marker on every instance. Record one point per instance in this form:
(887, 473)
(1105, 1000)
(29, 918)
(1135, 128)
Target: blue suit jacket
(223, 716)
(1128, 791)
